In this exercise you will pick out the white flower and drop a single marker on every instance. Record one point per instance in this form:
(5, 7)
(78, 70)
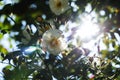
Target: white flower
(58, 6)
(53, 41)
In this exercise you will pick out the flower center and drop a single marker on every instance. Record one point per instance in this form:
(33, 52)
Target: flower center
(54, 42)
(58, 4)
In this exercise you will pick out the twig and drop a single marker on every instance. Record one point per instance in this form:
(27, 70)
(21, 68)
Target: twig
(7, 63)
(11, 19)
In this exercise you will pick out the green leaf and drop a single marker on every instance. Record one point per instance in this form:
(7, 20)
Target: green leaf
(1, 36)
(8, 67)
(3, 50)
(104, 53)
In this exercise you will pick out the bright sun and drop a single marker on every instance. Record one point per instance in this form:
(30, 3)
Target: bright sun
(88, 31)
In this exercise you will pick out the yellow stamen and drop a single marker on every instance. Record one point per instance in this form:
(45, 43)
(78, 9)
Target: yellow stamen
(54, 42)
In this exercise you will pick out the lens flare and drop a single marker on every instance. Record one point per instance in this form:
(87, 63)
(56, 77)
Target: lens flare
(87, 31)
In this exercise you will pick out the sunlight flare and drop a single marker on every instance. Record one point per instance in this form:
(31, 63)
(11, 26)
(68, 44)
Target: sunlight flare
(88, 31)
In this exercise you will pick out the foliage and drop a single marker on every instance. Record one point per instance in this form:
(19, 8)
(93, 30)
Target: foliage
(71, 64)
